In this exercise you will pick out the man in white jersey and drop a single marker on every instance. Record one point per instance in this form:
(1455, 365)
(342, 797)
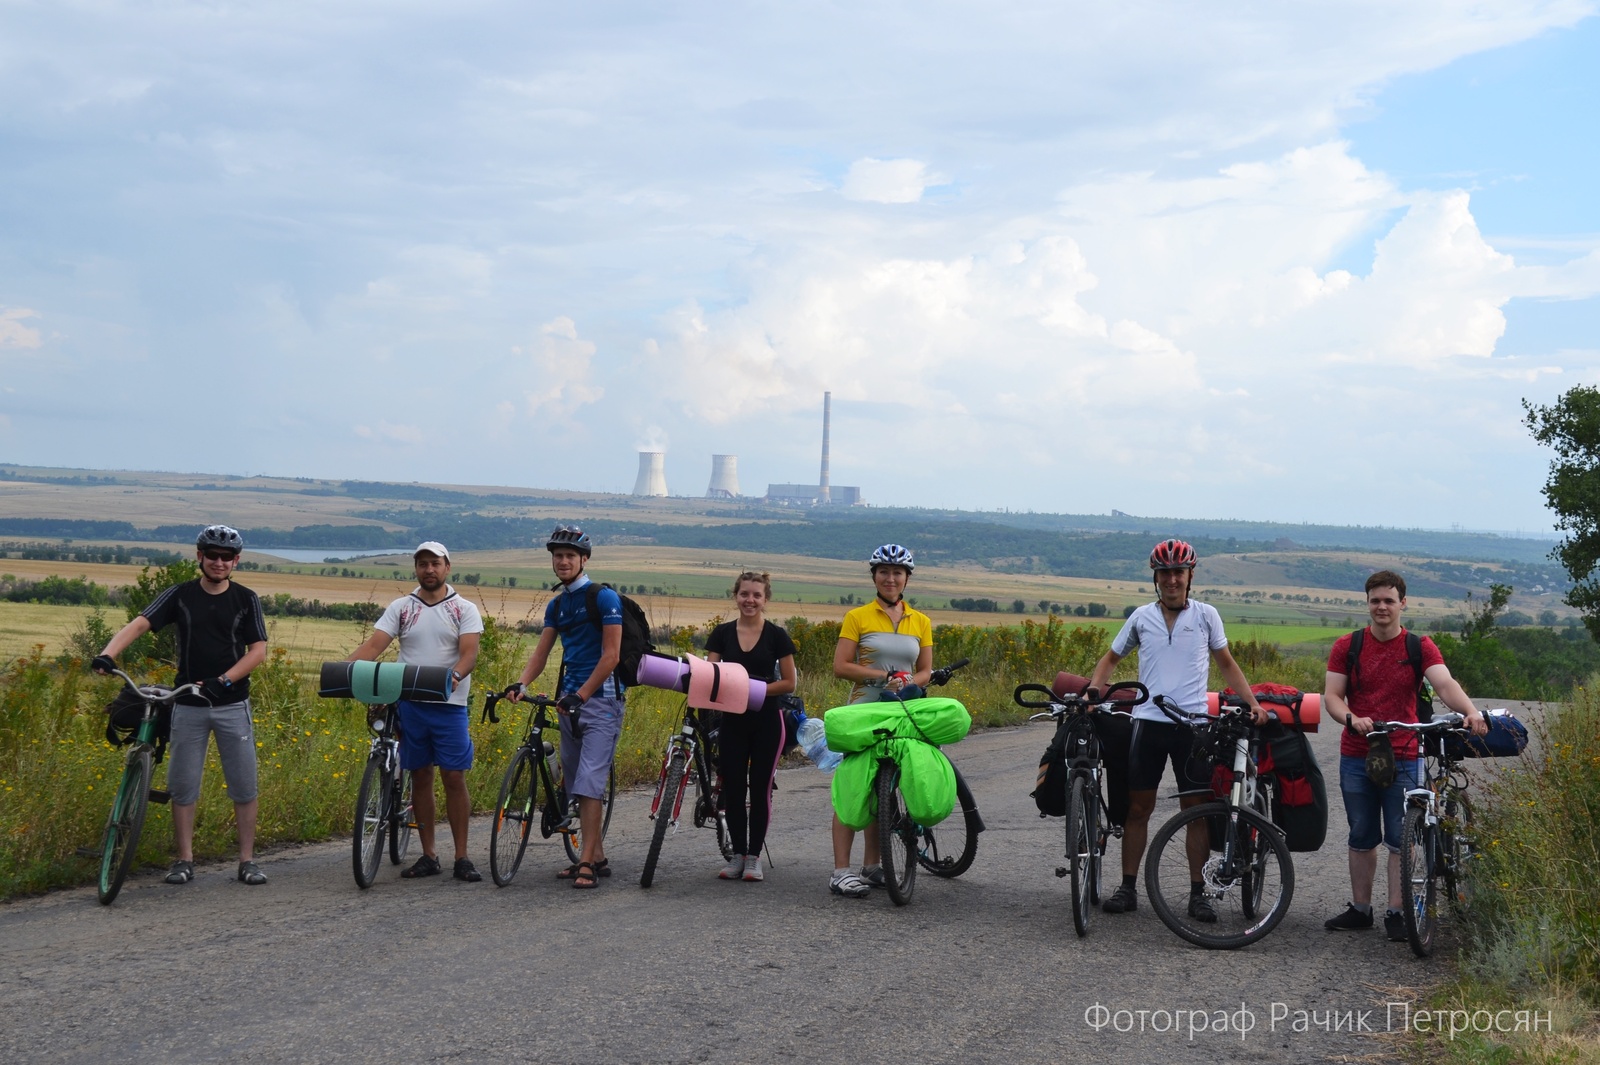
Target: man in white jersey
(435, 627)
(1177, 638)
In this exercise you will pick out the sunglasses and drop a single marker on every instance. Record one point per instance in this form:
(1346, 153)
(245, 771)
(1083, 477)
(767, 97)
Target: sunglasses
(219, 556)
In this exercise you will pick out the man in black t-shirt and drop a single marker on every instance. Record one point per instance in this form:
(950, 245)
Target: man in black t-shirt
(222, 637)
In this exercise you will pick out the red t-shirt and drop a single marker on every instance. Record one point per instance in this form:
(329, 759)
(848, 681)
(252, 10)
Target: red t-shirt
(1385, 688)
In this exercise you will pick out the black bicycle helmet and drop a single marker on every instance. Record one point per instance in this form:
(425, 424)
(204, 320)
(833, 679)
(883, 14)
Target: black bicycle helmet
(570, 536)
(220, 538)
(891, 555)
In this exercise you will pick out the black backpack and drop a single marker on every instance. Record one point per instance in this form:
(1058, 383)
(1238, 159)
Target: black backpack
(1413, 655)
(635, 633)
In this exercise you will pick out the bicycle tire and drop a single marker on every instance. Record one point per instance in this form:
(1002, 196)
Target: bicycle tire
(1253, 885)
(1419, 880)
(372, 823)
(1167, 879)
(1460, 849)
(402, 818)
(514, 812)
(948, 848)
(672, 783)
(121, 840)
(1101, 836)
(1079, 846)
(897, 836)
(573, 840)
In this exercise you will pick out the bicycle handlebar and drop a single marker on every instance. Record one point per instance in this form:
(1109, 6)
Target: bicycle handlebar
(942, 676)
(491, 698)
(1111, 699)
(1448, 721)
(159, 694)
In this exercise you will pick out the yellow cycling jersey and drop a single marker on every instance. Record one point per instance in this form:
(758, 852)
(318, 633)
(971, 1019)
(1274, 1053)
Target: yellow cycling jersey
(882, 644)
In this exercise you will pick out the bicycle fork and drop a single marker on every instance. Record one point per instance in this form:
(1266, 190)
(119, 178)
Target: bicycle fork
(683, 742)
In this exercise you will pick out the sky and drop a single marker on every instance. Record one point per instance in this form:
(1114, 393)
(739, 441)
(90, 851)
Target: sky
(1295, 262)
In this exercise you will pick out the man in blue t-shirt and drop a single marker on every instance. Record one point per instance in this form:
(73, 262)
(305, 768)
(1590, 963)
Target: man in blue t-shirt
(591, 697)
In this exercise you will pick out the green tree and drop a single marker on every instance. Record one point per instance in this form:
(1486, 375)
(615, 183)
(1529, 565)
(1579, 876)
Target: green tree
(162, 646)
(1571, 427)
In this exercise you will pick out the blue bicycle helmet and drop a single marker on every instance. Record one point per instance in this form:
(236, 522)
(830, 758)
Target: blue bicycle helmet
(570, 536)
(892, 555)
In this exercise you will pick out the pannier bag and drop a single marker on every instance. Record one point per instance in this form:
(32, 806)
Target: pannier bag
(1299, 792)
(1115, 732)
(1506, 738)
(385, 682)
(123, 715)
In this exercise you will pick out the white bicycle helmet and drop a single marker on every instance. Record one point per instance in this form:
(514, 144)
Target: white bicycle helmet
(892, 555)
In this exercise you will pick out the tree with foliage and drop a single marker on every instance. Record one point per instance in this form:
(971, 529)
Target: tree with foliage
(1571, 427)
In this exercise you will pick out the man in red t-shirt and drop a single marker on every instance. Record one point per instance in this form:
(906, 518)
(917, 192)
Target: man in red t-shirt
(1385, 690)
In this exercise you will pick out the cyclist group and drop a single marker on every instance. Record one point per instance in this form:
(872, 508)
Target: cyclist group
(885, 645)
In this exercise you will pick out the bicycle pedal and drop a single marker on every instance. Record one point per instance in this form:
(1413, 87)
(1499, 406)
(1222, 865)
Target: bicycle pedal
(90, 852)
(1061, 872)
(158, 795)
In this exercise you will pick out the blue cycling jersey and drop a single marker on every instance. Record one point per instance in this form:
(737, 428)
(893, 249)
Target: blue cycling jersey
(580, 637)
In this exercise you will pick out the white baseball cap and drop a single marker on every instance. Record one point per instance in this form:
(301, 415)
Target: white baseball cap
(432, 547)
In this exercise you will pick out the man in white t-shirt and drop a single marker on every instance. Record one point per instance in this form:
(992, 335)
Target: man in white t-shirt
(1177, 638)
(435, 627)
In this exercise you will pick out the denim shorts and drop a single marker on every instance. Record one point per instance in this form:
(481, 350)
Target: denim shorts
(1364, 803)
(434, 734)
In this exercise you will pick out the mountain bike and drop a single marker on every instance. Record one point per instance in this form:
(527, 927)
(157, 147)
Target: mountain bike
(383, 803)
(534, 790)
(946, 849)
(1436, 842)
(690, 756)
(1247, 876)
(120, 841)
(1088, 832)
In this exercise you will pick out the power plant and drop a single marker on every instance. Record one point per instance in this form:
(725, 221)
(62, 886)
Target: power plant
(652, 480)
(724, 477)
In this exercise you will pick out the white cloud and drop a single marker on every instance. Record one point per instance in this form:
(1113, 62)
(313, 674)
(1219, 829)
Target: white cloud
(562, 368)
(13, 334)
(387, 432)
(887, 180)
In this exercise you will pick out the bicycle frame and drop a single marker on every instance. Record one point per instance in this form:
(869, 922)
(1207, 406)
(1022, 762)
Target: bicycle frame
(688, 740)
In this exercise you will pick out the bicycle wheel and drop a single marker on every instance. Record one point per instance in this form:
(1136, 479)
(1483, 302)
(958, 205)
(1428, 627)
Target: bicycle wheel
(897, 836)
(1253, 886)
(1080, 847)
(947, 849)
(573, 840)
(372, 822)
(514, 812)
(1223, 878)
(402, 818)
(1419, 879)
(121, 839)
(1100, 835)
(671, 785)
(1460, 849)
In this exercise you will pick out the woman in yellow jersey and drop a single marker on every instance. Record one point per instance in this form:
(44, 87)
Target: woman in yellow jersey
(880, 643)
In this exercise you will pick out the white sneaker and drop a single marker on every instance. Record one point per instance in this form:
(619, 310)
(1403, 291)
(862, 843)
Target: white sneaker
(752, 868)
(848, 884)
(734, 870)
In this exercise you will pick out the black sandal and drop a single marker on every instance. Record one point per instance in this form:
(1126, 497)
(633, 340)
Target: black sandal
(586, 878)
(601, 868)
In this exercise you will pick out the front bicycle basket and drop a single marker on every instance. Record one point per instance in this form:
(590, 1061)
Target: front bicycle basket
(125, 713)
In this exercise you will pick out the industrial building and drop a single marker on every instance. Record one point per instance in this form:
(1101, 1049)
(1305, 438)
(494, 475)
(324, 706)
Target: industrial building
(822, 493)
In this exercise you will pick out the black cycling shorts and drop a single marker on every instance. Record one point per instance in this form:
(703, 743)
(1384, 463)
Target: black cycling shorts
(1154, 745)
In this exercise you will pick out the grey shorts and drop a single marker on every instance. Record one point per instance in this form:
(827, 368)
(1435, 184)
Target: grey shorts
(192, 727)
(586, 758)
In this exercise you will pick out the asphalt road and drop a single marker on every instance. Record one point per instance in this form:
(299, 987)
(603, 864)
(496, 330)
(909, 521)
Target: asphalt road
(983, 968)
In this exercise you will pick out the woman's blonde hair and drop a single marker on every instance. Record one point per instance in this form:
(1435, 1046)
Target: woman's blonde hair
(763, 579)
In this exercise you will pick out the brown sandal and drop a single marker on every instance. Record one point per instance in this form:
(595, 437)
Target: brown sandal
(586, 877)
(602, 868)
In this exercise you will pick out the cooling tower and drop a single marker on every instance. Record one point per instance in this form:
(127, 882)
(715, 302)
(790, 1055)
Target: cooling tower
(827, 416)
(724, 477)
(652, 474)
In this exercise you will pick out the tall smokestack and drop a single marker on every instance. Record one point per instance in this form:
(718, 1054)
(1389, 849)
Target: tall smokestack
(827, 417)
(724, 477)
(652, 474)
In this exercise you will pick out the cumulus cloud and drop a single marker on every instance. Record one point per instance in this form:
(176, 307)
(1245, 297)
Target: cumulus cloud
(887, 180)
(562, 369)
(13, 334)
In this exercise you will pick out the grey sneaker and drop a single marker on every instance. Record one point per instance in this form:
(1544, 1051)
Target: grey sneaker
(1201, 910)
(181, 872)
(752, 868)
(734, 870)
(873, 875)
(849, 885)
(251, 874)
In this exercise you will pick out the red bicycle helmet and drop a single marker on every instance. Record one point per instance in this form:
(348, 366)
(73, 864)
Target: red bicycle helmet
(1172, 554)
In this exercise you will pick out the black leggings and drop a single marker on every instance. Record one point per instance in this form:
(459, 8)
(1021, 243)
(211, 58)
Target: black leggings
(748, 747)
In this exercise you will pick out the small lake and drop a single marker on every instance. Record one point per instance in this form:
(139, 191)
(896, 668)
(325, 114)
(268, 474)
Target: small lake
(324, 554)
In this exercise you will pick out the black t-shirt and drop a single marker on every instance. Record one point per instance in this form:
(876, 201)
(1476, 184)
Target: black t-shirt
(214, 631)
(761, 661)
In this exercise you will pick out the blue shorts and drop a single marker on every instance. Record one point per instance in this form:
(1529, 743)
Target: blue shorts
(1364, 804)
(434, 734)
(586, 758)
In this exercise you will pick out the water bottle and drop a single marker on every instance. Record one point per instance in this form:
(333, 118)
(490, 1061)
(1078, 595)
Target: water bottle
(551, 762)
(813, 739)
